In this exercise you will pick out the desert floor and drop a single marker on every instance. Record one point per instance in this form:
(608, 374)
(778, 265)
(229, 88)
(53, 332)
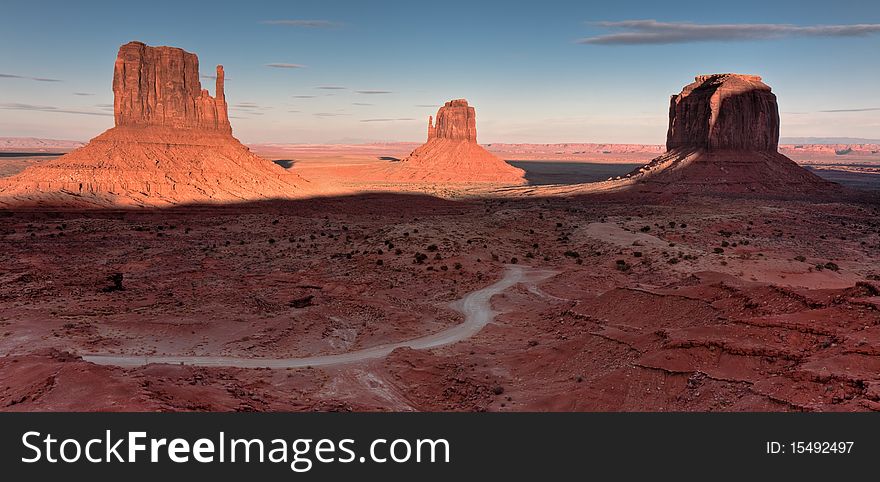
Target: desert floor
(707, 304)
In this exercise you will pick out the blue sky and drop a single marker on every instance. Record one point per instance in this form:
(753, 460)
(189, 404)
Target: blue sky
(520, 63)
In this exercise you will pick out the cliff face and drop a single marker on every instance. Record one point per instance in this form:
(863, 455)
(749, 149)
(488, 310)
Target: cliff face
(723, 137)
(724, 111)
(172, 144)
(452, 155)
(456, 120)
(159, 86)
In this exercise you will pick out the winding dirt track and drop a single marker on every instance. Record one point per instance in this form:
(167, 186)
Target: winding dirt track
(475, 307)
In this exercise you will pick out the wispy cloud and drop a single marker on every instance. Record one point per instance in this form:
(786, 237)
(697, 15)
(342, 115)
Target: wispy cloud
(286, 66)
(48, 108)
(329, 114)
(866, 109)
(38, 79)
(303, 96)
(303, 23)
(82, 94)
(647, 32)
(373, 91)
(427, 105)
(361, 103)
(388, 120)
(330, 87)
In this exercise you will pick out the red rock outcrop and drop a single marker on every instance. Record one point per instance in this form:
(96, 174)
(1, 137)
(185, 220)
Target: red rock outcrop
(723, 137)
(172, 144)
(452, 155)
(159, 86)
(724, 111)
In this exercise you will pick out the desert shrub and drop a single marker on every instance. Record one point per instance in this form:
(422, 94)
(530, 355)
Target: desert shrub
(116, 279)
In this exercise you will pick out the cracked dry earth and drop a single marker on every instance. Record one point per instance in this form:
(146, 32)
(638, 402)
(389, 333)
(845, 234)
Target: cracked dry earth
(704, 305)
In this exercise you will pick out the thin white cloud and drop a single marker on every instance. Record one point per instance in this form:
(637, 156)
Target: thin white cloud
(281, 65)
(303, 23)
(330, 87)
(388, 120)
(652, 32)
(48, 108)
(369, 92)
(38, 79)
(866, 109)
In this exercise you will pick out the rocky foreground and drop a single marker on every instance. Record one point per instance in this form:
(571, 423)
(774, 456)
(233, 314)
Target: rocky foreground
(703, 304)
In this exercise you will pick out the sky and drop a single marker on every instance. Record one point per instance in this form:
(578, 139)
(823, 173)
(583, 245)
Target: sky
(363, 71)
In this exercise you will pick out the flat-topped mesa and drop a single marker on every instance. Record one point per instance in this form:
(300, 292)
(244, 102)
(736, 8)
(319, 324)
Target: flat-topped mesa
(724, 112)
(159, 86)
(723, 137)
(456, 120)
(172, 144)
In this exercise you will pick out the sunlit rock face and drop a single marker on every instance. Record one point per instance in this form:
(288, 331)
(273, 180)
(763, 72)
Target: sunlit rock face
(724, 111)
(172, 144)
(160, 86)
(452, 155)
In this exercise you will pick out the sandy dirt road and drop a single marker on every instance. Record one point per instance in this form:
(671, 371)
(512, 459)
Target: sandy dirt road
(475, 306)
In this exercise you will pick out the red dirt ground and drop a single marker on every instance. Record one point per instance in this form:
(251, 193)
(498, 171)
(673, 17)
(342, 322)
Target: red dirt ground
(698, 305)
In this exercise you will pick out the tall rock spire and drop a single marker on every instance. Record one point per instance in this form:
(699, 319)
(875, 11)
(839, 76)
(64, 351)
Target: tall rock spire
(159, 86)
(452, 155)
(456, 120)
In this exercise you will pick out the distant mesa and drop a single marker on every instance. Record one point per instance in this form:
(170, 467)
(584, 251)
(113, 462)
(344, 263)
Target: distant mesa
(724, 112)
(723, 137)
(452, 155)
(456, 120)
(172, 144)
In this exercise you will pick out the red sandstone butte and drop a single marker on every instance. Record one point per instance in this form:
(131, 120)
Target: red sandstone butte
(172, 144)
(723, 137)
(452, 155)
